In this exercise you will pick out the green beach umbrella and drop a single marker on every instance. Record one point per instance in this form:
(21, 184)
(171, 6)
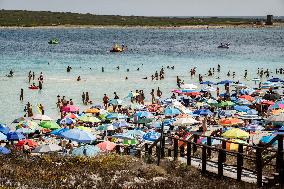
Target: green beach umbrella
(49, 125)
(226, 103)
(89, 119)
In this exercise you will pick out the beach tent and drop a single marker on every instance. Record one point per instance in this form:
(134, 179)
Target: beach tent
(86, 150)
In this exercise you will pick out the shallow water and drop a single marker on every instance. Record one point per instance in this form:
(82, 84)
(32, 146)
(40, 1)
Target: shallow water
(149, 49)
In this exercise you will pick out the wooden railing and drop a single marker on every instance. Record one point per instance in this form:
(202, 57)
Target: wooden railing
(190, 148)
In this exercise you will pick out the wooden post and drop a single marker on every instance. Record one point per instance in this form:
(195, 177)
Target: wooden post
(203, 170)
(126, 150)
(195, 138)
(181, 151)
(146, 148)
(117, 149)
(240, 162)
(209, 143)
(279, 162)
(175, 149)
(188, 149)
(221, 158)
(258, 164)
(138, 153)
(163, 147)
(169, 153)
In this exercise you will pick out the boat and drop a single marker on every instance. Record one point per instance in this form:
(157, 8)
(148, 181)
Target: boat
(53, 41)
(224, 46)
(117, 48)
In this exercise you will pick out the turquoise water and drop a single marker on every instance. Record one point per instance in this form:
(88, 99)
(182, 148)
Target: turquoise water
(149, 49)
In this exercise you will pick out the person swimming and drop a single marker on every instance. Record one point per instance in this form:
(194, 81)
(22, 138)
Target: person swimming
(79, 78)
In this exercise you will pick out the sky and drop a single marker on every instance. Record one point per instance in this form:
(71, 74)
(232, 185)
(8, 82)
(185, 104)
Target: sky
(153, 7)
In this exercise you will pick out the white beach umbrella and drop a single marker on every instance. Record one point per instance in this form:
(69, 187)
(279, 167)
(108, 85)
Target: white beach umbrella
(47, 148)
(42, 117)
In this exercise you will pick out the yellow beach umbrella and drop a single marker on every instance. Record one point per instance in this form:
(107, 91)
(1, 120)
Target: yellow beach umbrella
(92, 110)
(234, 146)
(236, 133)
(84, 128)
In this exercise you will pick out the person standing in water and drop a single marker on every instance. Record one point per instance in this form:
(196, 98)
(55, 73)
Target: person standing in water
(105, 101)
(159, 92)
(153, 96)
(87, 99)
(33, 75)
(22, 95)
(83, 97)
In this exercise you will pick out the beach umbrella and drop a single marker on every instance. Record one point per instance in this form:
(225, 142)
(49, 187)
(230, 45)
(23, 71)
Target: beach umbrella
(266, 139)
(115, 102)
(78, 135)
(170, 111)
(4, 129)
(275, 79)
(277, 111)
(26, 130)
(230, 121)
(189, 86)
(236, 133)
(92, 111)
(276, 118)
(151, 136)
(4, 150)
(67, 121)
(18, 120)
(233, 146)
(89, 119)
(212, 101)
(116, 116)
(280, 131)
(49, 125)
(224, 82)
(226, 104)
(185, 121)
(203, 112)
(129, 135)
(71, 108)
(247, 91)
(241, 108)
(252, 112)
(71, 115)
(208, 88)
(266, 102)
(29, 142)
(106, 127)
(47, 148)
(247, 97)
(15, 136)
(207, 83)
(86, 150)
(106, 146)
(42, 117)
(253, 127)
(59, 131)
(3, 137)
(120, 124)
(84, 128)
(271, 96)
(27, 124)
(242, 101)
(277, 105)
(145, 114)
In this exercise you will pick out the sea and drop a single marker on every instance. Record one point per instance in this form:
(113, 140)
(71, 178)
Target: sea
(86, 50)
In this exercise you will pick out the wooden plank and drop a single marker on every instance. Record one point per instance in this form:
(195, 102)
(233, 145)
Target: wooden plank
(209, 143)
(258, 163)
(175, 149)
(204, 157)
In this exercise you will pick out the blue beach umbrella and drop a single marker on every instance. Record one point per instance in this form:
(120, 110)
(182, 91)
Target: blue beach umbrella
(144, 114)
(4, 129)
(242, 101)
(207, 83)
(253, 127)
(252, 112)
(224, 82)
(15, 136)
(241, 108)
(171, 111)
(3, 137)
(120, 124)
(203, 112)
(275, 79)
(79, 135)
(4, 150)
(67, 121)
(152, 136)
(58, 132)
(267, 139)
(116, 116)
(280, 131)
(87, 150)
(132, 134)
(26, 130)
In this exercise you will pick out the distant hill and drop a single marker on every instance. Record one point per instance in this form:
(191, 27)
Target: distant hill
(46, 18)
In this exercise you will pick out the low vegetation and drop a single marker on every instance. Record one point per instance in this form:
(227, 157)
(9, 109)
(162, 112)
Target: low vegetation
(45, 18)
(105, 171)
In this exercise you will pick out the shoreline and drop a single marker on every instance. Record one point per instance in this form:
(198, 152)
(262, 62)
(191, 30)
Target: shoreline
(229, 26)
